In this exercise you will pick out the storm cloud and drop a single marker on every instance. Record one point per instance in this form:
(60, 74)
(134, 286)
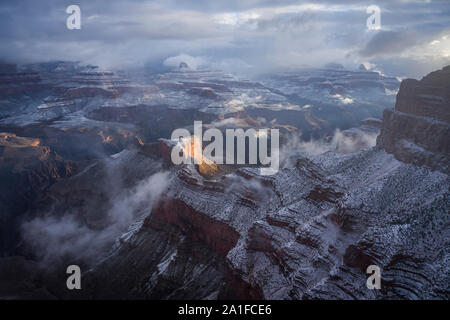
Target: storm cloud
(251, 36)
(388, 42)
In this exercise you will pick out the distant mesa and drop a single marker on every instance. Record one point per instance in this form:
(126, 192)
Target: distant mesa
(183, 66)
(8, 68)
(334, 65)
(52, 66)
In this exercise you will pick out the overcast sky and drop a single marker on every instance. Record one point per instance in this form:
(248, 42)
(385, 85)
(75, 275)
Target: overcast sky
(235, 35)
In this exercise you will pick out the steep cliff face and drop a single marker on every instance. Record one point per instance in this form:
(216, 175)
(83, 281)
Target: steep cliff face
(27, 169)
(418, 129)
(307, 232)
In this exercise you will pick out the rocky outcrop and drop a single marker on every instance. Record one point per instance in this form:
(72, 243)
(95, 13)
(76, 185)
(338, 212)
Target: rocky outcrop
(27, 169)
(204, 93)
(16, 83)
(308, 232)
(429, 97)
(217, 235)
(417, 130)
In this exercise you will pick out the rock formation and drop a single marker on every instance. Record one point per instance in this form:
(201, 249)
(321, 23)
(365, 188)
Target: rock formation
(27, 169)
(417, 130)
(308, 232)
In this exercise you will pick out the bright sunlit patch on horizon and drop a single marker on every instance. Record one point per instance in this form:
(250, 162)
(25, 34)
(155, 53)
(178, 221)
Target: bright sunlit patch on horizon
(430, 51)
(235, 18)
